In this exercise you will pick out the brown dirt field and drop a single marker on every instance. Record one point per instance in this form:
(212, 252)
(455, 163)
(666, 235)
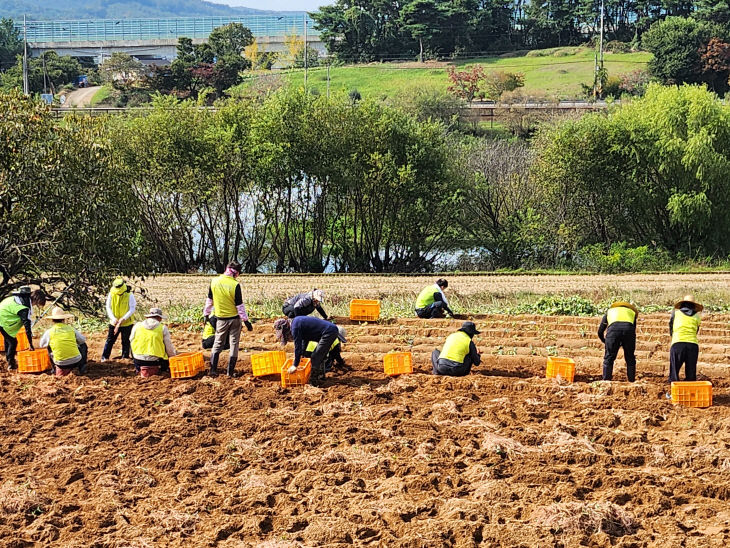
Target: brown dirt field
(503, 457)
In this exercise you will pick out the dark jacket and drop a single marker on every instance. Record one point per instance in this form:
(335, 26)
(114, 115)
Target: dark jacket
(308, 328)
(303, 305)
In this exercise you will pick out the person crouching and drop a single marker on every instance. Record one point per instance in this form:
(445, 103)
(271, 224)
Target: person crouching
(334, 358)
(459, 353)
(66, 346)
(151, 345)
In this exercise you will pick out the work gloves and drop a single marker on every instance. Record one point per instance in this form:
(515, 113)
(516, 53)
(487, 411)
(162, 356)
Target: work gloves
(248, 325)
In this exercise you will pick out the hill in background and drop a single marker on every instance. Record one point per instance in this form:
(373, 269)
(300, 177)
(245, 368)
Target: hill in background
(98, 9)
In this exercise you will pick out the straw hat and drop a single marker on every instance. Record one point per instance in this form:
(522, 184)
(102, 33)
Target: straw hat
(58, 314)
(690, 299)
(155, 313)
(625, 304)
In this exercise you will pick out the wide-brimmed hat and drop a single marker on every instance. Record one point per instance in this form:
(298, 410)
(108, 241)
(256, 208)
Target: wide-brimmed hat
(155, 313)
(282, 330)
(625, 304)
(689, 299)
(469, 328)
(318, 295)
(23, 290)
(342, 334)
(58, 314)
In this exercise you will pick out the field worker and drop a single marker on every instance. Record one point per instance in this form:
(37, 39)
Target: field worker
(303, 304)
(432, 303)
(226, 302)
(334, 358)
(151, 345)
(301, 330)
(209, 334)
(66, 346)
(684, 324)
(618, 329)
(15, 312)
(459, 353)
(120, 305)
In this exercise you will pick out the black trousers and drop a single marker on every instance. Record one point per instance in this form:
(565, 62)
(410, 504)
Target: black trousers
(11, 348)
(111, 338)
(84, 350)
(435, 310)
(319, 354)
(450, 368)
(208, 343)
(288, 310)
(620, 334)
(686, 354)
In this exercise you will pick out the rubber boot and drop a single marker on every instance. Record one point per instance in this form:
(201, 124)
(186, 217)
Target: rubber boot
(232, 366)
(214, 365)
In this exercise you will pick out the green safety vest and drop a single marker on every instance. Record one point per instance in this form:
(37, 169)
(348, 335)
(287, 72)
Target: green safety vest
(120, 303)
(425, 297)
(456, 347)
(224, 296)
(208, 331)
(313, 344)
(149, 342)
(684, 328)
(9, 319)
(62, 341)
(620, 314)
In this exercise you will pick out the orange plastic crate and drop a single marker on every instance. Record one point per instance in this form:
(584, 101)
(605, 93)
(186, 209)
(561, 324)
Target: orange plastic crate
(398, 363)
(22, 340)
(692, 393)
(560, 367)
(186, 365)
(364, 310)
(300, 376)
(267, 363)
(33, 361)
(2, 343)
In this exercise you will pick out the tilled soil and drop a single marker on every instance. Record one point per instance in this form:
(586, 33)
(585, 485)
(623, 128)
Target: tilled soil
(502, 457)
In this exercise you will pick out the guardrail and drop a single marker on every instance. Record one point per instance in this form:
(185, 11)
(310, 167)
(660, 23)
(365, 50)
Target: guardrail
(105, 30)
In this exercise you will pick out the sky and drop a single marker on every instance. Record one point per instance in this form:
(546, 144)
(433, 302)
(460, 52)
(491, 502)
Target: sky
(278, 5)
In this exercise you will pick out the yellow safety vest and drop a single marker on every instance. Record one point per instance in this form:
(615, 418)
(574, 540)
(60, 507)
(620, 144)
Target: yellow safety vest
(456, 347)
(62, 341)
(425, 297)
(208, 331)
(149, 342)
(620, 314)
(9, 319)
(224, 296)
(684, 328)
(120, 303)
(313, 344)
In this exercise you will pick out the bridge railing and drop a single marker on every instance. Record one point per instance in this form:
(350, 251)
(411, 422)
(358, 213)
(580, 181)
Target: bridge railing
(159, 29)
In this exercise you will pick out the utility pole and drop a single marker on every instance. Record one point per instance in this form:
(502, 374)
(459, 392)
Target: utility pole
(328, 78)
(306, 56)
(26, 90)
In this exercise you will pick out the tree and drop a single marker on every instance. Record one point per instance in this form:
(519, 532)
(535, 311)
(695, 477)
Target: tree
(716, 65)
(230, 40)
(423, 20)
(79, 228)
(46, 72)
(11, 45)
(466, 84)
(498, 82)
(121, 70)
(676, 43)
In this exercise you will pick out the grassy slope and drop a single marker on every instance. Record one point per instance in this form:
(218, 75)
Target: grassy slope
(100, 96)
(545, 76)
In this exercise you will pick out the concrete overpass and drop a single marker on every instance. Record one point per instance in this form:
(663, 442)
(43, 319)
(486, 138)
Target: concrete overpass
(147, 38)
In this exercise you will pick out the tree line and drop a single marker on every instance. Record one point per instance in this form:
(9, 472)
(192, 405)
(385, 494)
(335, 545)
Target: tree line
(369, 30)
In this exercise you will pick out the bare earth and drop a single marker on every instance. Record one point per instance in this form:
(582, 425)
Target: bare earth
(502, 457)
(80, 97)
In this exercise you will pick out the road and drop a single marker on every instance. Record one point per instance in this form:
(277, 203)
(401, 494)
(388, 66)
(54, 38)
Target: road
(80, 97)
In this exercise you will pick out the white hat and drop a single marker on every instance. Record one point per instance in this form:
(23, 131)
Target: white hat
(155, 313)
(342, 335)
(58, 314)
(318, 295)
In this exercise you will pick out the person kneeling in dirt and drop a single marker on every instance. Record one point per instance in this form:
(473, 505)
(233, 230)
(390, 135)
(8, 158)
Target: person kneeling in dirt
(618, 329)
(15, 313)
(151, 345)
(209, 334)
(66, 346)
(684, 324)
(306, 328)
(459, 353)
(303, 304)
(334, 356)
(431, 301)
